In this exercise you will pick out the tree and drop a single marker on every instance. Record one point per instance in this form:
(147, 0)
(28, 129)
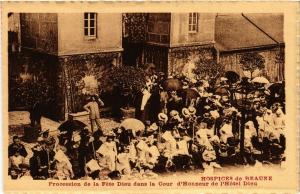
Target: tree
(128, 79)
(209, 70)
(251, 62)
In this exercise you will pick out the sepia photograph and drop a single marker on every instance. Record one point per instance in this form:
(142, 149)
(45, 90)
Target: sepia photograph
(134, 96)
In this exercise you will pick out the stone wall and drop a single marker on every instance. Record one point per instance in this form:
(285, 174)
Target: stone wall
(83, 75)
(39, 31)
(179, 56)
(158, 55)
(274, 63)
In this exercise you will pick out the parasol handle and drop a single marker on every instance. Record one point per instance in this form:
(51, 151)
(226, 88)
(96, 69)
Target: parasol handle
(193, 127)
(94, 150)
(48, 159)
(159, 134)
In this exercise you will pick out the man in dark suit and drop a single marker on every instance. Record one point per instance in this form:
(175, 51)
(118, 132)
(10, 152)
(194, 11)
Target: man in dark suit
(17, 146)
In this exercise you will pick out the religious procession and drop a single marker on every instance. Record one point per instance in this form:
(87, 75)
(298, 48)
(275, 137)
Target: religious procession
(181, 124)
(144, 95)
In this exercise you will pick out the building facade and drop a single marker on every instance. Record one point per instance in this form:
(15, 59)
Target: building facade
(171, 40)
(69, 54)
(237, 34)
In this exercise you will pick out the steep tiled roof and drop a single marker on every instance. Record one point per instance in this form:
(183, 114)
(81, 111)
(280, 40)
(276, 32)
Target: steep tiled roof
(235, 32)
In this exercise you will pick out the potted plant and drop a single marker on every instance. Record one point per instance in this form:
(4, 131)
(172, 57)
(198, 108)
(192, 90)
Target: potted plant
(128, 81)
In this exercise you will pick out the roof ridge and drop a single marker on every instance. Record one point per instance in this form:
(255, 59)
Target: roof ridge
(260, 29)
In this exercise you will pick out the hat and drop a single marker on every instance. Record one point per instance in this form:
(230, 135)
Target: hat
(174, 113)
(173, 92)
(192, 110)
(262, 98)
(153, 127)
(207, 107)
(185, 112)
(110, 134)
(217, 97)
(207, 115)
(223, 79)
(214, 114)
(163, 117)
(256, 100)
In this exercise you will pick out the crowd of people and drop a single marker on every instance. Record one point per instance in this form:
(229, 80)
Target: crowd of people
(208, 130)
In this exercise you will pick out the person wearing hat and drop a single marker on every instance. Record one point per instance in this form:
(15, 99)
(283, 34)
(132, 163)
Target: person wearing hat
(44, 157)
(277, 145)
(250, 134)
(169, 147)
(152, 131)
(152, 153)
(52, 142)
(15, 161)
(85, 154)
(35, 164)
(163, 124)
(108, 152)
(122, 163)
(185, 125)
(175, 117)
(63, 171)
(279, 119)
(142, 148)
(175, 102)
(185, 113)
(181, 157)
(125, 136)
(92, 108)
(210, 131)
(16, 146)
(36, 114)
(268, 119)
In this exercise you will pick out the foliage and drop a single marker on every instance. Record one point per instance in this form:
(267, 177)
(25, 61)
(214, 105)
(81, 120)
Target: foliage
(209, 70)
(252, 61)
(28, 92)
(129, 81)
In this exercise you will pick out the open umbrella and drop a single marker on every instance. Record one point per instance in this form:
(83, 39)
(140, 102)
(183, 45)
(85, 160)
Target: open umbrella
(172, 84)
(191, 93)
(232, 76)
(261, 80)
(71, 125)
(276, 87)
(133, 124)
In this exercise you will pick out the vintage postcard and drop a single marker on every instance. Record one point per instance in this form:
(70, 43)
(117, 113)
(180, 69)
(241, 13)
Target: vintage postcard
(150, 97)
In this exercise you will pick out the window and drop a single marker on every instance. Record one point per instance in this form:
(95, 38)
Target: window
(193, 22)
(90, 25)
